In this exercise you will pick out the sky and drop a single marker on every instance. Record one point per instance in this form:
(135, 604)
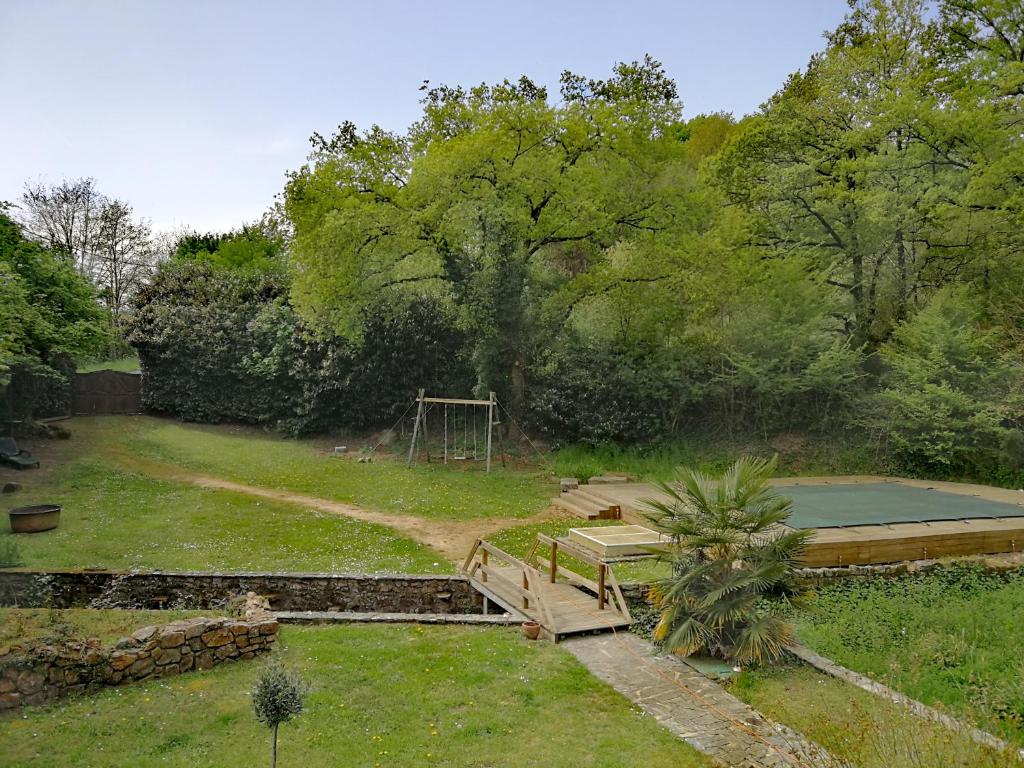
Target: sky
(194, 110)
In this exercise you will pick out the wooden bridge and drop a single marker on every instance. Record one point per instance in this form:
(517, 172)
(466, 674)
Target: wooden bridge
(538, 588)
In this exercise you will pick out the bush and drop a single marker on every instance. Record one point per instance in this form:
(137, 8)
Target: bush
(594, 395)
(733, 564)
(223, 345)
(952, 403)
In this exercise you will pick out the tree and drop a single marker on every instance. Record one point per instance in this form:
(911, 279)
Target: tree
(277, 697)
(731, 563)
(124, 255)
(63, 217)
(48, 316)
(952, 400)
(259, 246)
(495, 200)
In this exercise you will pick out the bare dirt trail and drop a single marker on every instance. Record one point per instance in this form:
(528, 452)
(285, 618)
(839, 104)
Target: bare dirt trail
(452, 538)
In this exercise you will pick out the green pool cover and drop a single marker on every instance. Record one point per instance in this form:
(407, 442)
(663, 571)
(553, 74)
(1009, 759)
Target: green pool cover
(836, 506)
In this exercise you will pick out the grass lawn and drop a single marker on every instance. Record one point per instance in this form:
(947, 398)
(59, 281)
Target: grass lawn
(430, 491)
(382, 696)
(798, 455)
(122, 520)
(950, 638)
(27, 624)
(855, 726)
(126, 364)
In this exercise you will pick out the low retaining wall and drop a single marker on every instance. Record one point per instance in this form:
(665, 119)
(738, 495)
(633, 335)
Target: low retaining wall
(41, 673)
(370, 593)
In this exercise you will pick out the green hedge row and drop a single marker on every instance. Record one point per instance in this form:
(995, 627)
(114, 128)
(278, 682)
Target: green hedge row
(223, 345)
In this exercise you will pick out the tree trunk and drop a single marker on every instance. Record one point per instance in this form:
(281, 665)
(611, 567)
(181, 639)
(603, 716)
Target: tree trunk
(518, 381)
(273, 747)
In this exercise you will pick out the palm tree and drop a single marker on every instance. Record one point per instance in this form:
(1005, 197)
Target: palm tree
(733, 563)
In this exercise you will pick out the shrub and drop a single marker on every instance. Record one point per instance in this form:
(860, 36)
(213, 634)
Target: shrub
(730, 561)
(952, 402)
(596, 395)
(10, 554)
(223, 345)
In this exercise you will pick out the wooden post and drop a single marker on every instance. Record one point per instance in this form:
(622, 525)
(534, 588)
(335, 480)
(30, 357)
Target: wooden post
(526, 586)
(554, 560)
(490, 426)
(600, 586)
(483, 559)
(416, 428)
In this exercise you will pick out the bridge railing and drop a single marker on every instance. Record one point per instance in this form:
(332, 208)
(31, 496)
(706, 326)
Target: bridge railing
(606, 588)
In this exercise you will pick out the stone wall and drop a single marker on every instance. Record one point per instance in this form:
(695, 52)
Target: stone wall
(37, 674)
(379, 593)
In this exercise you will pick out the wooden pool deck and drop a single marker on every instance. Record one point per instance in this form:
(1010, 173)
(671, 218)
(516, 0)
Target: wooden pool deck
(871, 544)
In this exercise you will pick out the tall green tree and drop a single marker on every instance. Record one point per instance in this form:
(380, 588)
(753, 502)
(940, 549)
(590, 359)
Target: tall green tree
(858, 163)
(49, 315)
(495, 200)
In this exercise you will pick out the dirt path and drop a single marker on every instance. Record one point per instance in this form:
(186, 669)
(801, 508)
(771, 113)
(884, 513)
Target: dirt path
(452, 538)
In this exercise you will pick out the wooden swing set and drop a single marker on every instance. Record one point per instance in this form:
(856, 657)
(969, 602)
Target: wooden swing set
(465, 436)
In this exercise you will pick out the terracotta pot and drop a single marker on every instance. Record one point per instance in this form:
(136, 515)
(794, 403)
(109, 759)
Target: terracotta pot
(38, 517)
(531, 629)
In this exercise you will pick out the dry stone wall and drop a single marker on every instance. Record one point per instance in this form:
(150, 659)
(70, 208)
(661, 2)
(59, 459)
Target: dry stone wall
(41, 673)
(388, 593)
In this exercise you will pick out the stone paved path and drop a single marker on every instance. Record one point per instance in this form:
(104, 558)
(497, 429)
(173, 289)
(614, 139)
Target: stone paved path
(694, 708)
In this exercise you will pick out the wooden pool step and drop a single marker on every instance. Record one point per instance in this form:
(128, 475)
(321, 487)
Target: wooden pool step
(586, 505)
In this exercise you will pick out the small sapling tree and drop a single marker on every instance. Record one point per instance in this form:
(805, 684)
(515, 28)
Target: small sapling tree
(277, 697)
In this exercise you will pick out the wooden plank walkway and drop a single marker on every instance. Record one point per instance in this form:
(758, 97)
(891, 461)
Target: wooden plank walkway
(556, 602)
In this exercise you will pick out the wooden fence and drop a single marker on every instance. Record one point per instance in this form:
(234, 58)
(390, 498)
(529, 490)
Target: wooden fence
(106, 392)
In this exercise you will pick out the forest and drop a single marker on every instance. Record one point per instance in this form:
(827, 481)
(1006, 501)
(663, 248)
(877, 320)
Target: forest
(846, 262)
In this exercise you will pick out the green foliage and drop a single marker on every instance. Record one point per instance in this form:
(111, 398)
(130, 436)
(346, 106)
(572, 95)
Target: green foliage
(730, 563)
(497, 198)
(953, 400)
(254, 247)
(221, 344)
(278, 696)
(594, 395)
(10, 554)
(845, 453)
(948, 637)
(618, 274)
(48, 316)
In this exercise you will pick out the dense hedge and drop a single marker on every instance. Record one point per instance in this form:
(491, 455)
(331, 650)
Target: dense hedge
(223, 345)
(596, 395)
